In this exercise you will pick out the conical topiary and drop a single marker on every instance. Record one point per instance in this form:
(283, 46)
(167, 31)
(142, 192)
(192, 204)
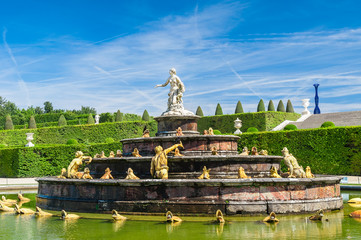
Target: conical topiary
(91, 119)
(145, 116)
(119, 116)
(62, 121)
(219, 110)
(199, 111)
(289, 107)
(239, 108)
(261, 107)
(281, 107)
(271, 106)
(9, 123)
(32, 123)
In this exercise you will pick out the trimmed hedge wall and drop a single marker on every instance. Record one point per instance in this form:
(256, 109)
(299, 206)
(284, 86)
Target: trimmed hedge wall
(263, 121)
(327, 151)
(82, 133)
(45, 161)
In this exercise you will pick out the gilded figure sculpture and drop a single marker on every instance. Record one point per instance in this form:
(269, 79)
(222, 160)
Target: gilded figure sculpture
(19, 210)
(76, 163)
(241, 173)
(67, 216)
(273, 172)
(179, 132)
(102, 155)
(356, 214)
(111, 154)
(86, 174)
(254, 151)
(210, 131)
(107, 174)
(296, 171)
(9, 201)
(205, 132)
(135, 153)
(245, 151)
(159, 165)
(130, 174)
(177, 153)
(171, 218)
(271, 218)
(214, 150)
(318, 216)
(119, 153)
(117, 217)
(63, 174)
(146, 134)
(4, 208)
(309, 173)
(40, 213)
(205, 174)
(219, 217)
(263, 152)
(22, 198)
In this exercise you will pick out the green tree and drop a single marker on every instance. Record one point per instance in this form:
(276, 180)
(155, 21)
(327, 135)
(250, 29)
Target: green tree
(48, 107)
(145, 116)
(106, 117)
(261, 107)
(239, 108)
(199, 111)
(32, 123)
(119, 116)
(271, 106)
(289, 107)
(9, 123)
(62, 121)
(39, 110)
(90, 119)
(281, 107)
(219, 110)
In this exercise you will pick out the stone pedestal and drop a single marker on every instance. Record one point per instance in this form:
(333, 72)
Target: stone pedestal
(167, 125)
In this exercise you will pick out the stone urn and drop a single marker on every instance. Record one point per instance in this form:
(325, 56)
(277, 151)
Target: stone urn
(29, 138)
(237, 125)
(305, 104)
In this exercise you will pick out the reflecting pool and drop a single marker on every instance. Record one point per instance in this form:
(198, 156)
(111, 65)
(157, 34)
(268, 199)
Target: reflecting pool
(100, 226)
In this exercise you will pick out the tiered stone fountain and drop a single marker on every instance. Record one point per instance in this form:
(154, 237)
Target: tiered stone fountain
(183, 192)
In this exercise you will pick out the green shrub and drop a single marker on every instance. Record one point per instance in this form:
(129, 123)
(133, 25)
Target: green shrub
(239, 108)
(327, 124)
(106, 117)
(252, 129)
(219, 110)
(271, 106)
(119, 116)
(217, 132)
(290, 127)
(263, 121)
(281, 107)
(335, 151)
(289, 107)
(61, 121)
(90, 119)
(3, 145)
(145, 116)
(32, 123)
(261, 107)
(199, 111)
(109, 140)
(9, 123)
(72, 141)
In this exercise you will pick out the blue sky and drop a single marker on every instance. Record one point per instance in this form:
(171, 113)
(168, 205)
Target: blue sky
(110, 54)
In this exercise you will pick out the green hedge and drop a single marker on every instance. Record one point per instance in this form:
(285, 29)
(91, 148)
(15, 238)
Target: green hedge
(45, 161)
(263, 121)
(327, 151)
(82, 133)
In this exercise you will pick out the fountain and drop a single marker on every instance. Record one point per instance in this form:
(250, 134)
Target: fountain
(175, 185)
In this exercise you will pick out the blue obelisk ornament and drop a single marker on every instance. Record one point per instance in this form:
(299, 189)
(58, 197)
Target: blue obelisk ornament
(317, 109)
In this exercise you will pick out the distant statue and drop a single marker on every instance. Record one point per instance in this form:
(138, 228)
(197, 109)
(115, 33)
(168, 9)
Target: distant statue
(214, 150)
(296, 171)
(210, 131)
(135, 153)
(131, 175)
(205, 174)
(119, 153)
(274, 173)
(175, 101)
(241, 173)
(309, 173)
(177, 153)
(63, 174)
(159, 165)
(107, 174)
(254, 151)
(76, 163)
(205, 132)
(97, 117)
(111, 154)
(146, 134)
(179, 131)
(263, 152)
(245, 151)
(86, 174)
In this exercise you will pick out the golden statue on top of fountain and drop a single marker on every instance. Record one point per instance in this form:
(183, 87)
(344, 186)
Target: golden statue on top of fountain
(159, 165)
(76, 163)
